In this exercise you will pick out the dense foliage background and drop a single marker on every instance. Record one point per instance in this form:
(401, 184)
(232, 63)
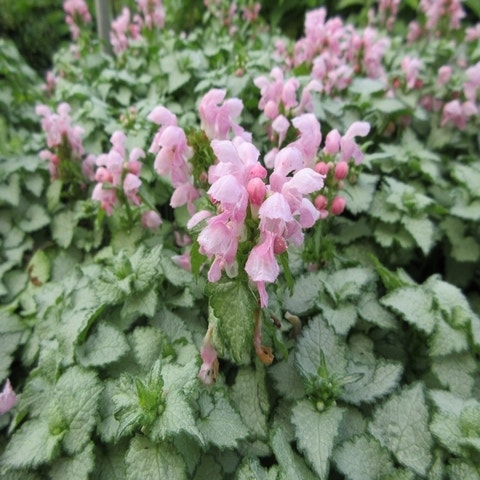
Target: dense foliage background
(362, 362)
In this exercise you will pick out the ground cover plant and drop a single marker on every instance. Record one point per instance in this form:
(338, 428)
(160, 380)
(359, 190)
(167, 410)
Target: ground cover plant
(228, 253)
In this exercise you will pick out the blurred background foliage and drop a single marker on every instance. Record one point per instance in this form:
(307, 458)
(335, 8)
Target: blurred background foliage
(38, 28)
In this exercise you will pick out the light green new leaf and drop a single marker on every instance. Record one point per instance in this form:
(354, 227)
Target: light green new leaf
(401, 426)
(32, 445)
(363, 458)
(153, 461)
(292, 466)
(219, 423)
(414, 304)
(77, 467)
(315, 433)
(105, 345)
(76, 395)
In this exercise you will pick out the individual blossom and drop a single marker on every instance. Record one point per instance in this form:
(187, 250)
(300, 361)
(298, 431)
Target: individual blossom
(209, 369)
(217, 115)
(472, 83)
(8, 398)
(348, 147)
(151, 219)
(387, 11)
(123, 29)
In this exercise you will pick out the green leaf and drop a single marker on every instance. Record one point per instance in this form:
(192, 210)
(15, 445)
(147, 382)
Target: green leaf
(77, 467)
(76, 395)
(34, 218)
(401, 426)
(39, 268)
(105, 345)
(63, 226)
(234, 306)
(32, 445)
(315, 433)
(414, 304)
(366, 86)
(219, 423)
(110, 462)
(250, 469)
(153, 461)
(10, 191)
(363, 458)
(292, 466)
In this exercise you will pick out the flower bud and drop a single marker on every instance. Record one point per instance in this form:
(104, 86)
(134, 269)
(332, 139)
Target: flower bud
(320, 202)
(321, 168)
(338, 205)
(256, 191)
(341, 170)
(279, 245)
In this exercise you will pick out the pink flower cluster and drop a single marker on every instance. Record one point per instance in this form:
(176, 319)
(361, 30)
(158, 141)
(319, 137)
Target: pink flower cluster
(118, 177)
(172, 153)
(229, 14)
(337, 51)
(77, 15)
(63, 140)
(259, 210)
(127, 27)
(440, 17)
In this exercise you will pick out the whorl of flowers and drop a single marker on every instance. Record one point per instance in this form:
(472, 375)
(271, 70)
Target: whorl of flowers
(64, 141)
(77, 15)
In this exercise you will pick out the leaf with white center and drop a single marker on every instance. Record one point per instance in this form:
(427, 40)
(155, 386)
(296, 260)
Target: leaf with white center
(372, 311)
(401, 426)
(292, 466)
(32, 445)
(177, 417)
(360, 194)
(288, 381)
(414, 304)
(341, 318)
(104, 346)
(153, 461)
(147, 344)
(456, 372)
(422, 230)
(34, 218)
(76, 395)
(234, 305)
(305, 294)
(77, 467)
(317, 338)
(446, 339)
(219, 423)
(363, 458)
(110, 462)
(63, 227)
(315, 433)
(250, 397)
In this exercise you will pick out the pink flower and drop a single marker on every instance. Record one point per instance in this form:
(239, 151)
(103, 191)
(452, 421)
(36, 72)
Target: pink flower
(338, 205)
(261, 265)
(151, 219)
(472, 83)
(8, 399)
(411, 68)
(458, 113)
(348, 148)
(131, 184)
(444, 75)
(209, 369)
(217, 118)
